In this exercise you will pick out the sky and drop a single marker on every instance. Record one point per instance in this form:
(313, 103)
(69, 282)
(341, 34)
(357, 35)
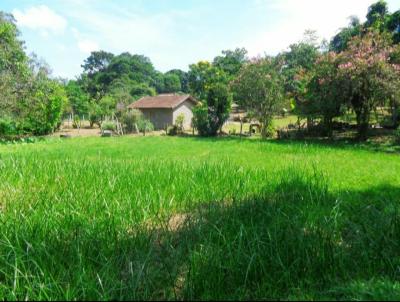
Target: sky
(172, 33)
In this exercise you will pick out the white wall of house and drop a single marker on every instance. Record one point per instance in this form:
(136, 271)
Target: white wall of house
(186, 108)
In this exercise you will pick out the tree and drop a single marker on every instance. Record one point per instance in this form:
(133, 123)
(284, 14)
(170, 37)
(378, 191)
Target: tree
(202, 76)
(141, 90)
(77, 98)
(376, 14)
(14, 68)
(341, 39)
(172, 83)
(97, 61)
(373, 80)
(325, 94)
(393, 25)
(44, 107)
(259, 88)
(231, 61)
(301, 57)
(183, 78)
(210, 115)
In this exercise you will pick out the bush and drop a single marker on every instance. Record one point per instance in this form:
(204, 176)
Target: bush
(108, 125)
(44, 107)
(95, 113)
(145, 125)
(8, 127)
(130, 120)
(180, 120)
(200, 119)
(172, 131)
(76, 123)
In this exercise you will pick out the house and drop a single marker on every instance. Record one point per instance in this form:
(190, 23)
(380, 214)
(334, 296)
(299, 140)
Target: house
(162, 110)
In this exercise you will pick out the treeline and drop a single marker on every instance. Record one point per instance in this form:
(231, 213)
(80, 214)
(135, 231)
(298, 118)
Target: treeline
(30, 101)
(358, 71)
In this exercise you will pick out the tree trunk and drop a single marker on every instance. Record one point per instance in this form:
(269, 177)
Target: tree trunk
(362, 123)
(327, 122)
(395, 115)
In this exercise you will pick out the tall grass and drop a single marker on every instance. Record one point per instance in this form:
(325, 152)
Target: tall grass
(89, 222)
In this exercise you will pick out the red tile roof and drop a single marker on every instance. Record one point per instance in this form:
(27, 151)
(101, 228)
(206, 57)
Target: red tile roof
(167, 101)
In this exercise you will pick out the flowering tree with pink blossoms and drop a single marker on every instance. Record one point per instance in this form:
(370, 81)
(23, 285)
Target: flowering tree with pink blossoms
(371, 76)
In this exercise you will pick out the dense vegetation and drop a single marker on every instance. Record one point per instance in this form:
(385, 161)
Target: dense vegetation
(30, 101)
(186, 218)
(357, 73)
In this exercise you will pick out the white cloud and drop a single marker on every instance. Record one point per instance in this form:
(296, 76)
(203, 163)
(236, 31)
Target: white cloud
(87, 46)
(41, 18)
(326, 17)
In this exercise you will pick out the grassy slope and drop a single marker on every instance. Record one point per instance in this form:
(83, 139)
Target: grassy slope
(171, 218)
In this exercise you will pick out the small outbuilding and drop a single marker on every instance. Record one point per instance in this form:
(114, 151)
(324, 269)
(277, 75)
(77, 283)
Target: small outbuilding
(162, 110)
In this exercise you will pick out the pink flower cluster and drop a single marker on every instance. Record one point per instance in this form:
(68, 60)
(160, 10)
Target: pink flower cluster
(346, 65)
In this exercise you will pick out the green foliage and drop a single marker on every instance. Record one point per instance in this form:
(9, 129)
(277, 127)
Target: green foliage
(202, 76)
(172, 83)
(209, 117)
(97, 61)
(8, 127)
(301, 57)
(340, 41)
(180, 120)
(76, 123)
(45, 106)
(259, 89)
(141, 90)
(78, 100)
(145, 125)
(371, 78)
(108, 126)
(326, 93)
(377, 13)
(183, 78)
(200, 119)
(231, 61)
(95, 114)
(397, 135)
(130, 120)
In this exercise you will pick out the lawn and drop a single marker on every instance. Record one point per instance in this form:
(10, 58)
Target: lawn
(190, 218)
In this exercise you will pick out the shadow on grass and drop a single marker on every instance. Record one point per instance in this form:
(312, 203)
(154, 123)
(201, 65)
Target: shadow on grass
(293, 241)
(385, 145)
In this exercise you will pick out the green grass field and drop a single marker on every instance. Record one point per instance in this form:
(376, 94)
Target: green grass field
(190, 218)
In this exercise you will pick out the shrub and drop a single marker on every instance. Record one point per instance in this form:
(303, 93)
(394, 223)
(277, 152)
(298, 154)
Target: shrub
(173, 130)
(44, 107)
(76, 123)
(108, 125)
(95, 113)
(8, 127)
(130, 120)
(145, 125)
(179, 121)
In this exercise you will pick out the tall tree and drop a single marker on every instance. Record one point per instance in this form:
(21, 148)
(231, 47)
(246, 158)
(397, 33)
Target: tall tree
(14, 69)
(183, 78)
(211, 114)
(202, 76)
(231, 61)
(259, 89)
(377, 13)
(373, 80)
(97, 61)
